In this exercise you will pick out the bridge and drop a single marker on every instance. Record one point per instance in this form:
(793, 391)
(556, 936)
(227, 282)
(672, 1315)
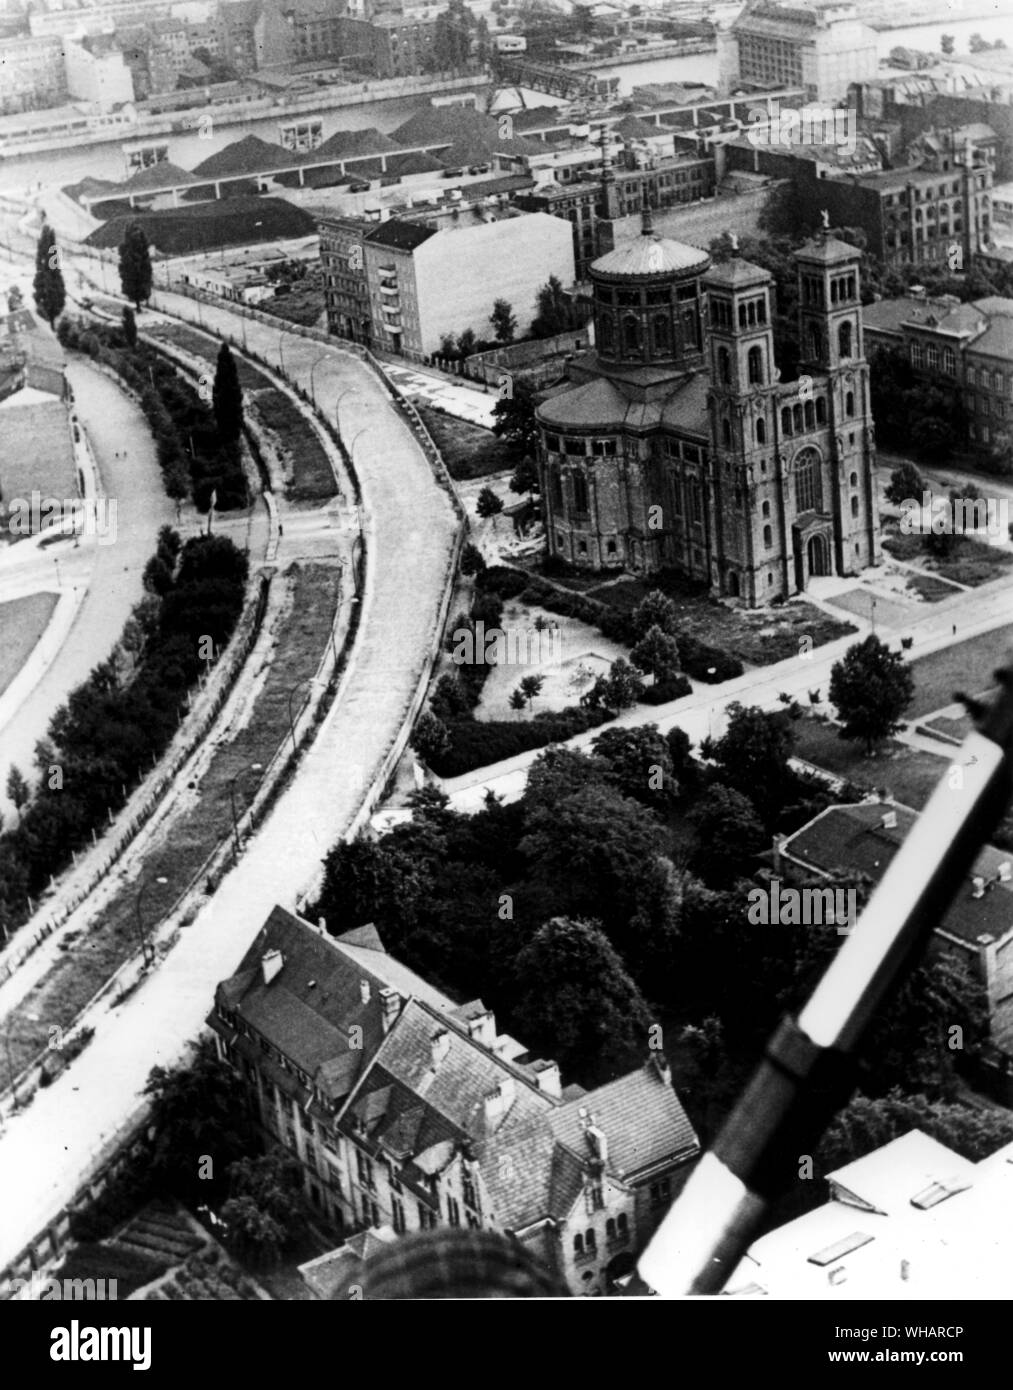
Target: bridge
(553, 81)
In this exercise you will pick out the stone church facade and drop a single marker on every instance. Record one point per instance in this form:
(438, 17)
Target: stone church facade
(676, 445)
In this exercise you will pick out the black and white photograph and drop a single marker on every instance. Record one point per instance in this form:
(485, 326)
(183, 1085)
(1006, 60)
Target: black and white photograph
(506, 670)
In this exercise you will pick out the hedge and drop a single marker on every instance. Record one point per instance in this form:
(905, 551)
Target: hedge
(477, 744)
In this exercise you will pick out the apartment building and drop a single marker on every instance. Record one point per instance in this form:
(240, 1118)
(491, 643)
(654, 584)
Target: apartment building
(979, 925)
(819, 46)
(408, 1111)
(97, 73)
(426, 272)
(32, 73)
(966, 348)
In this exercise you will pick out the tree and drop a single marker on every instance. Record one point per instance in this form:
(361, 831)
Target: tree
(514, 419)
(654, 610)
(466, 343)
(525, 476)
(488, 503)
(947, 43)
(227, 396)
(452, 38)
(576, 1002)
(264, 1213)
(472, 560)
(17, 788)
(530, 687)
(556, 312)
(620, 689)
(905, 482)
(865, 1124)
(196, 1110)
(129, 326)
(871, 687)
(516, 700)
(135, 266)
(752, 756)
(15, 299)
(639, 763)
(430, 737)
(504, 321)
(657, 654)
(728, 832)
(48, 287)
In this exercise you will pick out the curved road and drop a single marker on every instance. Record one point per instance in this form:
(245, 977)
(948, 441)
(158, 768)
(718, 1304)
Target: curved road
(411, 529)
(111, 573)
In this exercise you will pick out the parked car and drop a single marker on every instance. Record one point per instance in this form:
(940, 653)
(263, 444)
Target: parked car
(452, 173)
(359, 186)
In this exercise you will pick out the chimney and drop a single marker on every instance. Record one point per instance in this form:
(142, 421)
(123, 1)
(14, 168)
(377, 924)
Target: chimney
(439, 1044)
(270, 964)
(889, 820)
(547, 1078)
(1005, 871)
(660, 1063)
(978, 887)
(322, 925)
(905, 1269)
(499, 1102)
(483, 1029)
(598, 1142)
(390, 1005)
(364, 991)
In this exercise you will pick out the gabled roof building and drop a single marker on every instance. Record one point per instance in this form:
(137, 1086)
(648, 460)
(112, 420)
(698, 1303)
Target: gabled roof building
(408, 1111)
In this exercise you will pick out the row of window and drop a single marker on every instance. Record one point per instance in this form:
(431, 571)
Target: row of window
(585, 1246)
(633, 338)
(988, 407)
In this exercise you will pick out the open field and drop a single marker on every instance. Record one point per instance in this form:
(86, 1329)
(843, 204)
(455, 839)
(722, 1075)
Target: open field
(22, 623)
(968, 666)
(469, 450)
(909, 774)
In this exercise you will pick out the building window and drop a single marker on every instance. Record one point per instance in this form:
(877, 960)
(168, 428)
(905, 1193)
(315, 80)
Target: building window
(821, 411)
(766, 509)
(808, 483)
(578, 1246)
(661, 1192)
(468, 1190)
(574, 447)
(603, 448)
(724, 366)
(661, 333)
(606, 334)
(622, 1225)
(365, 1168)
(854, 506)
(949, 361)
(397, 1216)
(997, 381)
(590, 1241)
(844, 339)
(453, 1211)
(557, 488)
(755, 366)
(595, 1197)
(726, 433)
(580, 502)
(932, 357)
(809, 415)
(631, 335)
(849, 404)
(918, 354)
(427, 1218)
(768, 537)
(786, 420)
(761, 432)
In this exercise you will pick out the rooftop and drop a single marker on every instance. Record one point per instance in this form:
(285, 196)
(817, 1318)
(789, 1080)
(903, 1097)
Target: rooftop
(649, 256)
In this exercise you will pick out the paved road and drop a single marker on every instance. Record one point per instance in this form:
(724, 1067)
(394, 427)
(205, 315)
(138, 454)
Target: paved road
(111, 573)
(411, 525)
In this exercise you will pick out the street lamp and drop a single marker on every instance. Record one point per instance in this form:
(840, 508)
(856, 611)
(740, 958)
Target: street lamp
(355, 439)
(291, 716)
(254, 767)
(322, 358)
(147, 949)
(348, 391)
(281, 350)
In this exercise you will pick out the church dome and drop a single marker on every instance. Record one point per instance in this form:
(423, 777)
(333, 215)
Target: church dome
(652, 255)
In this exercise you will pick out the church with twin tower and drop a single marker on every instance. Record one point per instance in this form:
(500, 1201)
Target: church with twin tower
(674, 444)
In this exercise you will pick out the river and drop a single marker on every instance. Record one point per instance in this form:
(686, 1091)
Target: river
(107, 161)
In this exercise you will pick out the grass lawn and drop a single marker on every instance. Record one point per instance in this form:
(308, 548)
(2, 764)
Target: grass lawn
(301, 633)
(22, 623)
(309, 475)
(909, 774)
(469, 451)
(757, 637)
(969, 562)
(304, 302)
(205, 348)
(968, 666)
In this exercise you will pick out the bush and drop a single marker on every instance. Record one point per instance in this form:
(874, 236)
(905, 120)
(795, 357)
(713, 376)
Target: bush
(699, 659)
(476, 744)
(502, 580)
(672, 689)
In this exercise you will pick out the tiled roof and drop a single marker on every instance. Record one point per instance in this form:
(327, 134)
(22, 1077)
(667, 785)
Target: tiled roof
(632, 128)
(736, 272)
(997, 339)
(828, 250)
(309, 1006)
(601, 404)
(853, 837)
(334, 1275)
(247, 156)
(641, 1117)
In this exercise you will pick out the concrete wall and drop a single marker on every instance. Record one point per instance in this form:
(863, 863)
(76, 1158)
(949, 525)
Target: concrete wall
(101, 78)
(460, 273)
